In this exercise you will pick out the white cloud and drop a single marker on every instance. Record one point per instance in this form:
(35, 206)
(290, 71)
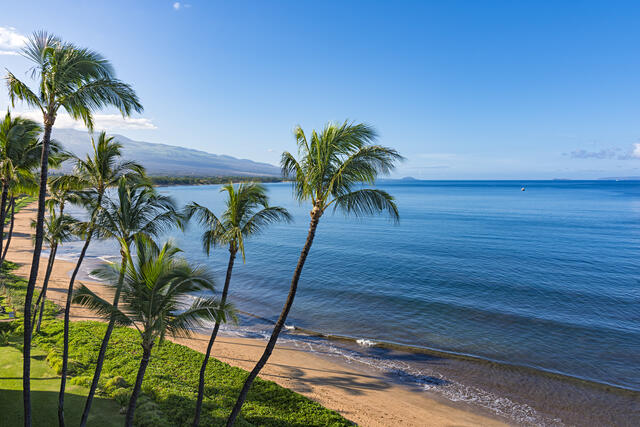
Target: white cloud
(636, 150)
(107, 122)
(176, 5)
(11, 41)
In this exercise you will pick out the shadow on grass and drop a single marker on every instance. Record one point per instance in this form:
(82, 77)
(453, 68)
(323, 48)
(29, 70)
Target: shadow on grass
(45, 406)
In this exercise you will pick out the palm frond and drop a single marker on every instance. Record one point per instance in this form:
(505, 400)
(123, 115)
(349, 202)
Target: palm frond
(367, 201)
(87, 298)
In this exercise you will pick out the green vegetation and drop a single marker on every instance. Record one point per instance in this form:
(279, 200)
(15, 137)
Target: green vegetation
(45, 393)
(329, 172)
(150, 287)
(172, 378)
(247, 213)
(169, 387)
(208, 180)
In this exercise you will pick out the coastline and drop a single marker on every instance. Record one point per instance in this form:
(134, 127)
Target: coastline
(364, 398)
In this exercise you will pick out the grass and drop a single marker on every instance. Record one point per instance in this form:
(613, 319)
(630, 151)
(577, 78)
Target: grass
(169, 387)
(8, 311)
(44, 394)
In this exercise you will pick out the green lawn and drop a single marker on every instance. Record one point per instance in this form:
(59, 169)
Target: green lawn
(169, 387)
(44, 394)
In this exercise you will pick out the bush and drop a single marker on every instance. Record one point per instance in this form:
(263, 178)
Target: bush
(170, 384)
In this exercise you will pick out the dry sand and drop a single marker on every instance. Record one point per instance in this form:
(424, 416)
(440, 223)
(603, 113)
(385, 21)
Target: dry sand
(365, 399)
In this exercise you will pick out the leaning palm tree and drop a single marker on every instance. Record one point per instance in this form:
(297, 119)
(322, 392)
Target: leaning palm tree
(135, 210)
(80, 81)
(247, 213)
(155, 283)
(330, 172)
(98, 171)
(58, 229)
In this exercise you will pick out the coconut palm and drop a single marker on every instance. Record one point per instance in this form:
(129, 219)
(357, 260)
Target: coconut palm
(247, 213)
(135, 210)
(99, 170)
(330, 172)
(155, 283)
(58, 229)
(19, 154)
(80, 81)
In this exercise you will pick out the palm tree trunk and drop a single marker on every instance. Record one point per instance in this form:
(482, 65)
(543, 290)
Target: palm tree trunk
(45, 284)
(214, 333)
(146, 355)
(3, 211)
(315, 217)
(13, 221)
(65, 347)
(103, 347)
(33, 274)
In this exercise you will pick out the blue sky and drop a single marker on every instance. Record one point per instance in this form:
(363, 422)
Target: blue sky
(463, 89)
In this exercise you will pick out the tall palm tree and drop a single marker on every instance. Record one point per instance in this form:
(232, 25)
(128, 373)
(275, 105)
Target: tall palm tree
(80, 81)
(330, 171)
(136, 210)
(98, 171)
(58, 229)
(155, 283)
(247, 213)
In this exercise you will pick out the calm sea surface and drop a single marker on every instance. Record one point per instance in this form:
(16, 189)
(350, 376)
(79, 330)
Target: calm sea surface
(547, 279)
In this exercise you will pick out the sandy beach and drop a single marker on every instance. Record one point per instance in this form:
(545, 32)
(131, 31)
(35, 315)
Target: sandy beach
(363, 398)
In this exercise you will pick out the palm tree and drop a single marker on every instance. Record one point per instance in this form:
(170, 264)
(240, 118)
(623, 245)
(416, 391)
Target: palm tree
(19, 149)
(20, 152)
(331, 171)
(80, 81)
(247, 213)
(58, 229)
(136, 210)
(154, 285)
(100, 170)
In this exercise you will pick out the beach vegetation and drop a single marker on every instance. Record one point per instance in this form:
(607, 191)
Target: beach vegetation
(332, 170)
(136, 209)
(154, 284)
(247, 213)
(102, 168)
(79, 81)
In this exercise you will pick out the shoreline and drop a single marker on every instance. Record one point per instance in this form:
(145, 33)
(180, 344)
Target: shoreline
(364, 398)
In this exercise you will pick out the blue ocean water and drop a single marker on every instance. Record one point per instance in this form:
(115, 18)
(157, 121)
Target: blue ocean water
(547, 278)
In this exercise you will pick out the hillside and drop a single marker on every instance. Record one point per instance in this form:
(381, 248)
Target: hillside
(162, 159)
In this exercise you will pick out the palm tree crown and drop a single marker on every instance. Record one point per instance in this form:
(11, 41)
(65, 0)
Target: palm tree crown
(247, 213)
(136, 209)
(74, 78)
(154, 285)
(333, 165)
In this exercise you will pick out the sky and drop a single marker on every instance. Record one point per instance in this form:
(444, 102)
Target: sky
(463, 89)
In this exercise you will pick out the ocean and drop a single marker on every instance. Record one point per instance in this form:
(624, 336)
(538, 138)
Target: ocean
(525, 304)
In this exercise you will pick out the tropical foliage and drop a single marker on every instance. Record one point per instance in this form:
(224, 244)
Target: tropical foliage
(154, 285)
(247, 213)
(79, 81)
(330, 171)
(127, 358)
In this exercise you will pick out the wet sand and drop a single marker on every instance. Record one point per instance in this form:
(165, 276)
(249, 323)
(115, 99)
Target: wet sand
(364, 398)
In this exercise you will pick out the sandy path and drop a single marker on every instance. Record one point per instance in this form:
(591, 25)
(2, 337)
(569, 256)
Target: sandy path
(366, 399)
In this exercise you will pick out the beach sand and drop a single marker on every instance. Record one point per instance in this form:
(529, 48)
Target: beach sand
(363, 398)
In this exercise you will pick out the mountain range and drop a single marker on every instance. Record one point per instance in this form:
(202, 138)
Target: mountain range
(171, 160)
